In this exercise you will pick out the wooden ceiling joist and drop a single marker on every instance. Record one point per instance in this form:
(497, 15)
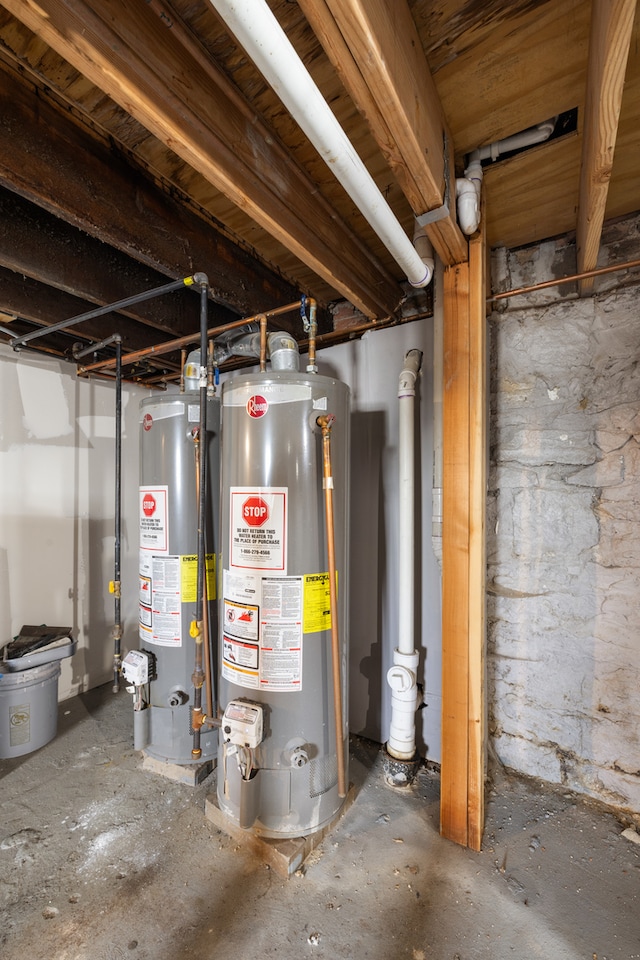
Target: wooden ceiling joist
(43, 306)
(610, 39)
(154, 69)
(35, 244)
(375, 49)
(55, 163)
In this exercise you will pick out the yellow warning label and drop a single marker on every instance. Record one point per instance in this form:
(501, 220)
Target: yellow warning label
(316, 602)
(189, 577)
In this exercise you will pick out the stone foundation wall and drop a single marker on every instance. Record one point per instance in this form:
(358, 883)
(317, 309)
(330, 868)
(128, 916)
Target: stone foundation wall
(563, 522)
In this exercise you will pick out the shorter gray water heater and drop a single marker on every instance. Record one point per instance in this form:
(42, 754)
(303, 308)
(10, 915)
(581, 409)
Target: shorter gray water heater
(160, 672)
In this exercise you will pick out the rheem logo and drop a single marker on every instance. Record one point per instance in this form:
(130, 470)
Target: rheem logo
(257, 406)
(255, 511)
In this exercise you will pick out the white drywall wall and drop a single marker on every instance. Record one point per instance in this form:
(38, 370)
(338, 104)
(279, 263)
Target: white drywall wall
(371, 366)
(57, 507)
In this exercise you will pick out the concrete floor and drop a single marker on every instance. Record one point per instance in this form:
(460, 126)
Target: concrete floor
(100, 860)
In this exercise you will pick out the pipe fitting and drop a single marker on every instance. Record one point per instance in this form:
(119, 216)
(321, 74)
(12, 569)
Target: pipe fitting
(468, 189)
(401, 678)
(409, 374)
(197, 719)
(402, 682)
(424, 249)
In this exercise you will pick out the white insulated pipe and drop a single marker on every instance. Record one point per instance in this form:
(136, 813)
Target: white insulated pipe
(406, 518)
(259, 33)
(402, 676)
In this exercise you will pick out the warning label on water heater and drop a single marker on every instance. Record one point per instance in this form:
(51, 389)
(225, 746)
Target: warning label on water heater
(258, 528)
(262, 642)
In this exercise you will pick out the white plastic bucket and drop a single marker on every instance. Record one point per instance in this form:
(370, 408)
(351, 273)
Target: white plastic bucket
(28, 708)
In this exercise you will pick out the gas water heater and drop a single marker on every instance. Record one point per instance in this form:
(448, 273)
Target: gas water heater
(160, 672)
(283, 744)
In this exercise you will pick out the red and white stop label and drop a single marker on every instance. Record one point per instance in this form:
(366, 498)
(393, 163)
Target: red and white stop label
(255, 511)
(148, 505)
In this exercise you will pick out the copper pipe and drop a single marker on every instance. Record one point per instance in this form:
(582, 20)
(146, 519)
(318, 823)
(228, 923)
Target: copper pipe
(263, 343)
(325, 422)
(210, 367)
(336, 336)
(598, 272)
(183, 360)
(313, 333)
(170, 345)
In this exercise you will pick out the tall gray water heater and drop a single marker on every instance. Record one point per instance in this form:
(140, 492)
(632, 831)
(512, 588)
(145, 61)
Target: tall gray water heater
(278, 759)
(168, 572)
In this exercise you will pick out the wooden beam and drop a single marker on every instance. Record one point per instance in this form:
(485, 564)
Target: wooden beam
(155, 70)
(463, 563)
(455, 556)
(375, 48)
(57, 164)
(610, 38)
(478, 429)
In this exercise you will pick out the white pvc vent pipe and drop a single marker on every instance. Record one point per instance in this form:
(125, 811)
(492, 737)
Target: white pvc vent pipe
(402, 676)
(259, 33)
(469, 187)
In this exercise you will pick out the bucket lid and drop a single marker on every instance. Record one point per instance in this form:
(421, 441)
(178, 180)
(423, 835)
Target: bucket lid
(36, 645)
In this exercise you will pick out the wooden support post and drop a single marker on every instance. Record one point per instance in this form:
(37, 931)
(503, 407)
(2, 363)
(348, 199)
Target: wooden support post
(464, 567)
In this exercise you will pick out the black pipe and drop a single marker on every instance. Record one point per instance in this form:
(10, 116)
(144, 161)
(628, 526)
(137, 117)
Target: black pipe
(19, 342)
(203, 451)
(115, 585)
(198, 673)
(117, 627)
(80, 350)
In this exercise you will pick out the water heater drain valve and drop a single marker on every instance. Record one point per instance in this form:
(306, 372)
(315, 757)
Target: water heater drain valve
(242, 723)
